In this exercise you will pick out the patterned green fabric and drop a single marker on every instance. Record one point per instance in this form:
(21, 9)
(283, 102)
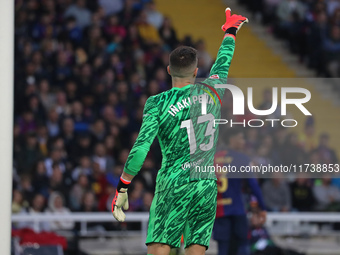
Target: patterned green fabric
(188, 209)
(174, 114)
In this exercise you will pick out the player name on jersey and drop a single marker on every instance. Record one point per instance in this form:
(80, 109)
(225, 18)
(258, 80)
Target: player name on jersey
(176, 108)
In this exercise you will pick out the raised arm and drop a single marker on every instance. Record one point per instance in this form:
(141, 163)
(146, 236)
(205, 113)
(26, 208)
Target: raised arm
(225, 54)
(220, 69)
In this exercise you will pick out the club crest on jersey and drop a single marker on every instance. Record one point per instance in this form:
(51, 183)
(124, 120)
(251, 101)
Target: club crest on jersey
(215, 76)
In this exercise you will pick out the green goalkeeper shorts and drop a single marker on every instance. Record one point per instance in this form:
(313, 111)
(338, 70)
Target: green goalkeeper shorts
(188, 209)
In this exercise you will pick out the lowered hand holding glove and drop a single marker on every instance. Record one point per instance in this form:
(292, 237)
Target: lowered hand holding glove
(120, 200)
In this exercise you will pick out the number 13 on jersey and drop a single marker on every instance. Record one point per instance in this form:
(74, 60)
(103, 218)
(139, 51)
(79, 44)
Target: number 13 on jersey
(209, 132)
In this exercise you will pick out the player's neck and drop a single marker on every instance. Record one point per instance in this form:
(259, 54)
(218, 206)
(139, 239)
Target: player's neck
(182, 82)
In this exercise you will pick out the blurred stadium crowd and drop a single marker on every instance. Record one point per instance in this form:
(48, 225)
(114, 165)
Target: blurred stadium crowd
(311, 29)
(83, 71)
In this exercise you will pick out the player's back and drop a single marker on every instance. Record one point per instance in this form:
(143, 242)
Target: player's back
(186, 137)
(186, 133)
(174, 108)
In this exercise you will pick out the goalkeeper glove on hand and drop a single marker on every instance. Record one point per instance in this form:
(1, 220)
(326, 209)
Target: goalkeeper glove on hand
(233, 22)
(120, 200)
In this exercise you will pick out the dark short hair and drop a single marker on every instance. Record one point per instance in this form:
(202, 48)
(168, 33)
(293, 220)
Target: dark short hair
(183, 61)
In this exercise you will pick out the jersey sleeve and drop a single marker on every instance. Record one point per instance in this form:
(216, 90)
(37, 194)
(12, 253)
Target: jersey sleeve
(147, 134)
(225, 54)
(220, 69)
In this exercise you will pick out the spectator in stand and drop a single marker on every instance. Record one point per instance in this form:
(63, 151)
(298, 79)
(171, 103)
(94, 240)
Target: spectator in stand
(53, 122)
(88, 203)
(292, 153)
(80, 13)
(18, 202)
(29, 155)
(307, 138)
(113, 177)
(71, 89)
(113, 27)
(128, 15)
(84, 168)
(105, 200)
(309, 26)
(332, 6)
(136, 196)
(291, 14)
(26, 187)
(261, 243)
(62, 70)
(111, 146)
(147, 200)
(46, 97)
(267, 103)
(315, 37)
(68, 133)
(35, 106)
(62, 107)
(42, 137)
(74, 31)
(40, 181)
(286, 11)
(335, 20)
(17, 141)
(54, 159)
(56, 207)
(148, 174)
(105, 162)
(57, 181)
(326, 154)
(327, 195)
(276, 194)
(98, 131)
(168, 33)
(331, 48)
(303, 199)
(81, 147)
(77, 192)
(252, 140)
(111, 6)
(27, 122)
(269, 10)
(37, 206)
(262, 156)
(99, 180)
(154, 17)
(147, 32)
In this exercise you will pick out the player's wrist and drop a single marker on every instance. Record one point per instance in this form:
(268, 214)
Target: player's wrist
(231, 31)
(123, 185)
(229, 35)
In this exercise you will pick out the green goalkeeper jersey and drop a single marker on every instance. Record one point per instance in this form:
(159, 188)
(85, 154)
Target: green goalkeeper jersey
(186, 136)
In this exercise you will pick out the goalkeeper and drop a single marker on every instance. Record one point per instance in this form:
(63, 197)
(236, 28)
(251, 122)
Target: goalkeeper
(184, 203)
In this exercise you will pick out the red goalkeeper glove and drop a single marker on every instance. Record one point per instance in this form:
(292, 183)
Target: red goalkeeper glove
(233, 22)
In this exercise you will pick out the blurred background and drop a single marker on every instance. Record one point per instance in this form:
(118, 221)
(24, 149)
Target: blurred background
(83, 71)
